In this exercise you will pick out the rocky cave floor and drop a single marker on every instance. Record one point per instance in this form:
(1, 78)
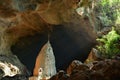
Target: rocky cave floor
(106, 69)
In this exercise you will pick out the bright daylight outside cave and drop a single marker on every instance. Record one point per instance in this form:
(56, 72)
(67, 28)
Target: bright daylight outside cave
(59, 40)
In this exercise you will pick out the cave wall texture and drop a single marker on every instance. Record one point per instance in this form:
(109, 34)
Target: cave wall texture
(28, 23)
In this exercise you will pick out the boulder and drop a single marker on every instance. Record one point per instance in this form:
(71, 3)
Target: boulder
(13, 59)
(79, 75)
(94, 55)
(11, 66)
(108, 69)
(75, 66)
(61, 75)
(16, 77)
(97, 75)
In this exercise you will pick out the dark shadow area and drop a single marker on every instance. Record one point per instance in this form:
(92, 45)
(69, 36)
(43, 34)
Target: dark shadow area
(27, 49)
(68, 43)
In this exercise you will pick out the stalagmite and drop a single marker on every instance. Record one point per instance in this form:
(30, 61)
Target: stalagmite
(45, 63)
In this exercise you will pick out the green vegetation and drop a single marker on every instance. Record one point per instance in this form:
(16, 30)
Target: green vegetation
(108, 12)
(109, 44)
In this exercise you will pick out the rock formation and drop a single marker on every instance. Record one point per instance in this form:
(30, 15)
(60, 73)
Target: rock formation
(71, 35)
(9, 69)
(11, 66)
(108, 69)
(93, 56)
(16, 77)
(45, 63)
(61, 75)
(76, 65)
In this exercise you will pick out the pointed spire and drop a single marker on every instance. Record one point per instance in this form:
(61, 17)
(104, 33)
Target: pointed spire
(45, 61)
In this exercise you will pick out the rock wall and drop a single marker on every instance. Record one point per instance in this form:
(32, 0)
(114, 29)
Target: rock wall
(71, 36)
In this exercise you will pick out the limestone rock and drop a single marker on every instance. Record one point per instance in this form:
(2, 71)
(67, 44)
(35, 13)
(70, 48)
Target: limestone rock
(117, 57)
(108, 69)
(70, 34)
(93, 56)
(79, 75)
(97, 75)
(45, 63)
(61, 75)
(76, 66)
(33, 78)
(11, 66)
(16, 77)
(9, 69)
